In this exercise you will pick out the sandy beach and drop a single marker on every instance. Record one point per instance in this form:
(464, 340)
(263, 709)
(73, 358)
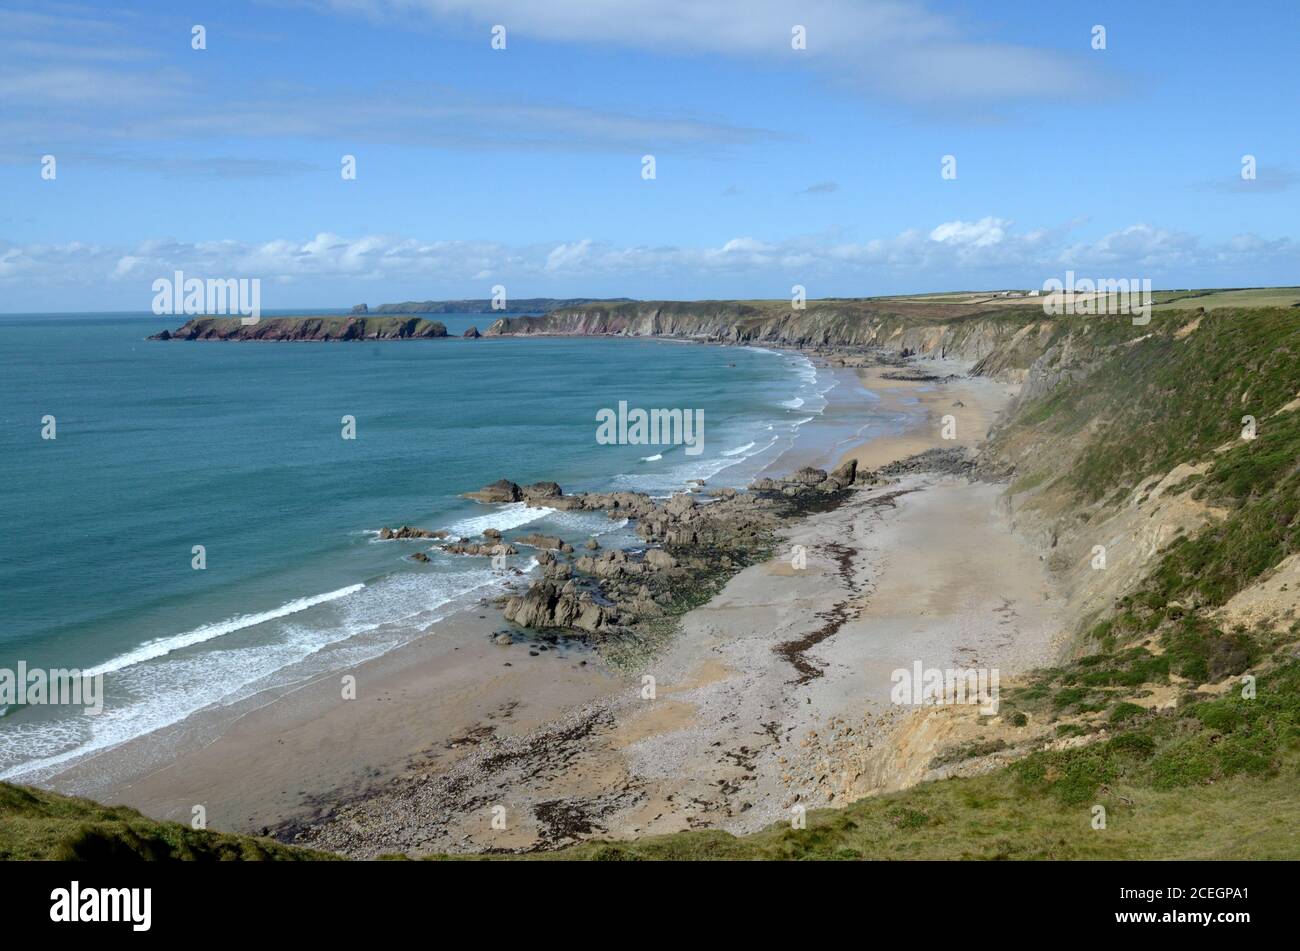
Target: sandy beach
(775, 693)
(973, 406)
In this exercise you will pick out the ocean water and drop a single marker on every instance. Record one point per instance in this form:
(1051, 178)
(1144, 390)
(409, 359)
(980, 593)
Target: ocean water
(239, 448)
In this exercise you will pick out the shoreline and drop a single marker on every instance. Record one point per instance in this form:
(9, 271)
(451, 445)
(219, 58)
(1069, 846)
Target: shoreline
(124, 769)
(281, 766)
(780, 376)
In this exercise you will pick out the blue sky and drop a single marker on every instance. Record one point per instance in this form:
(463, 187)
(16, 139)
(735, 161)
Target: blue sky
(522, 166)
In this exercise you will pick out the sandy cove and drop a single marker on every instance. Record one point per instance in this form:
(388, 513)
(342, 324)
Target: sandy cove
(775, 692)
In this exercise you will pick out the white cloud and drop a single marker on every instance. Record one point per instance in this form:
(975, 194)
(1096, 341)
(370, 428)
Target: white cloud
(979, 234)
(568, 255)
(988, 252)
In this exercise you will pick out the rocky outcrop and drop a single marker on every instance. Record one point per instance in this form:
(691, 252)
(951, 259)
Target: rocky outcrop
(809, 479)
(472, 333)
(549, 605)
(502, 490)
(306, 329)
(492, 547)
(542, 491)
(690, 540)
(360, 309)
(809, 476)
(549, 542)
(406, 531)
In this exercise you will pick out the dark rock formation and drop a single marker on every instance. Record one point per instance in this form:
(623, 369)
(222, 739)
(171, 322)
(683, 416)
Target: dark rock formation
(541, 491)
(550, 542)
(502, 490)
(406, 531)
(809, 476)
(306, 328)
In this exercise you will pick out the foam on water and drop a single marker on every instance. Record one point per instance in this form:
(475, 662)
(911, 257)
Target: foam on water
(162, 646)
(503, 518)
(162, 688)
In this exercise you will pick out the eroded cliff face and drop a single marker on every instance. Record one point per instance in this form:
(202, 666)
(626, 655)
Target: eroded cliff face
(923, 332)
(1125, 441)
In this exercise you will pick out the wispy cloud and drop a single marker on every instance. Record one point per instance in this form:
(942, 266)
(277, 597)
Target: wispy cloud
(98, 98)
(1268, 180)
(898, 48)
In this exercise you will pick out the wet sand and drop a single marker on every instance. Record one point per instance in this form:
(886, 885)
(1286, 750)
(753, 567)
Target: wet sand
(421, 706)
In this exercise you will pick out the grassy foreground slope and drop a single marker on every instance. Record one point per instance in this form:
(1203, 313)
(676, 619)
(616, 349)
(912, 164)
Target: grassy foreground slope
(35, 824)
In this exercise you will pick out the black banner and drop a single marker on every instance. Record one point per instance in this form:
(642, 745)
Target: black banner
(935, 901)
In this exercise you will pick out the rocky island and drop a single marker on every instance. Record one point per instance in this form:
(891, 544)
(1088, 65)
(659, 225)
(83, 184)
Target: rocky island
(306, 328)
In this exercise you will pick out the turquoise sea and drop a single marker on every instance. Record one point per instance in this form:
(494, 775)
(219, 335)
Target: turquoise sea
(237, 447)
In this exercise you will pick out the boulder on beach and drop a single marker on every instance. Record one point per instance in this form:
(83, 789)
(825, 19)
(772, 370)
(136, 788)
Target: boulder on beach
(680, 504)
(847, 472)
(658, 558)
(809, 476)
(547, 606)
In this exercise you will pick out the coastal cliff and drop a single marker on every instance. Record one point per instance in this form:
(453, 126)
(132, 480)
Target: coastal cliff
(971, 333)
(306, 328)
(1002, 340)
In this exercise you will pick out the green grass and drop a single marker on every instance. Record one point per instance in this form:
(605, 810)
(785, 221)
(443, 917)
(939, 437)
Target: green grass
(1235, 298)
(40, 825)
(1164, 400)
